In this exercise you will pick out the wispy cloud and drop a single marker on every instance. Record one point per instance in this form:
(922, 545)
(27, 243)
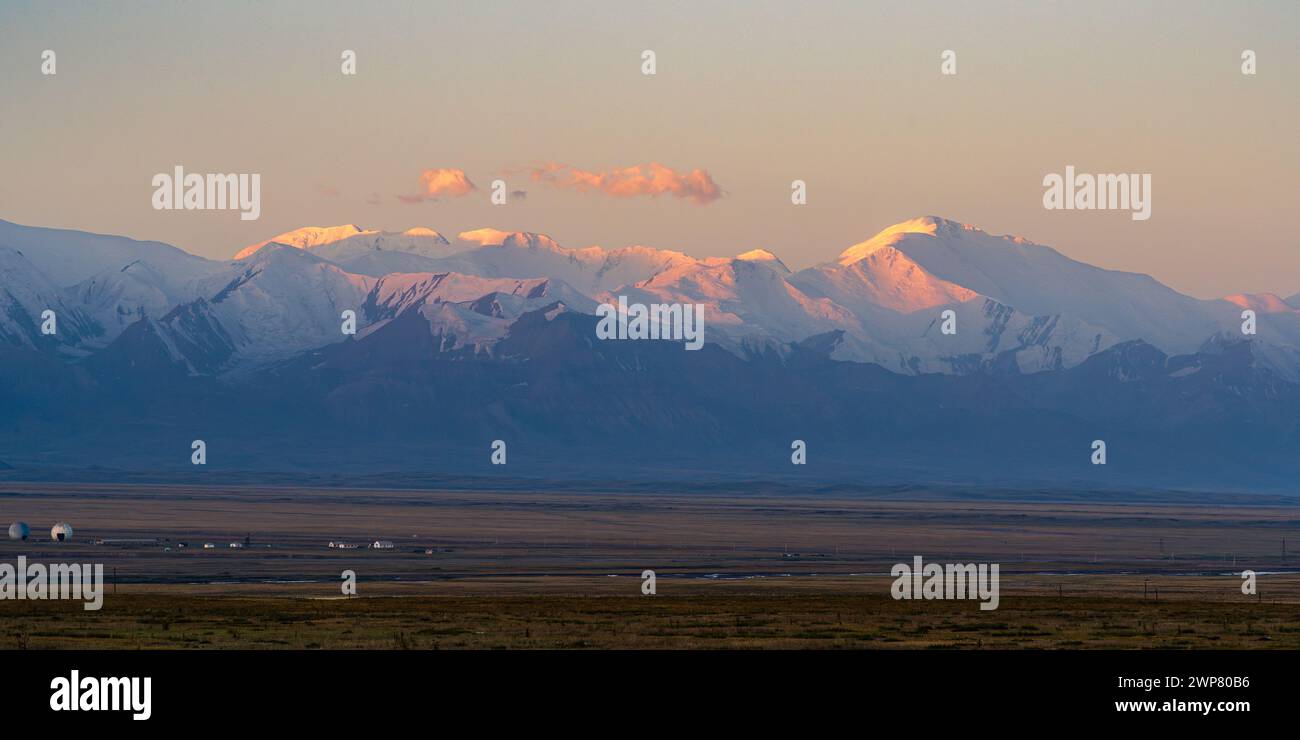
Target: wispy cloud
(436, 183)
(651, 179)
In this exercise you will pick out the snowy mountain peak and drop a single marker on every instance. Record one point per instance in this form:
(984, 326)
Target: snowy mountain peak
(489, 237)
(1262, 302)
(280, 252)
(884, 277)
(933, 226)
(762, 256)
(25, 294)
(305, 238)
(425, 231)
(68, 257)
(367, 252)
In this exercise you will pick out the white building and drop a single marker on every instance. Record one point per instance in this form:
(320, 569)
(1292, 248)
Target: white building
(382, 545)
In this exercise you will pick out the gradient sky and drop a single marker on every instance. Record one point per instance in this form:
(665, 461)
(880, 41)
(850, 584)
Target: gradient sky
(844, 95)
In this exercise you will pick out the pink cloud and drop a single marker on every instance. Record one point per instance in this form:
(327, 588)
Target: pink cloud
(435, 183)
(651, 179)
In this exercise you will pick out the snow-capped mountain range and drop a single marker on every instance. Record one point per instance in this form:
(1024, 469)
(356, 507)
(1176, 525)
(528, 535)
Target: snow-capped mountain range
(492, 335)
(1017, 304)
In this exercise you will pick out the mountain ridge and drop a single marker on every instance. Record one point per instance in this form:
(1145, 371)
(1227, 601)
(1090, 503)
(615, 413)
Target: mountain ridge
(1011, 299)
(853, 356)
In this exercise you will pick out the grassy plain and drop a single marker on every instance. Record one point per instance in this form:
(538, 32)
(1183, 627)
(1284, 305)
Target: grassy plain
(530, 569)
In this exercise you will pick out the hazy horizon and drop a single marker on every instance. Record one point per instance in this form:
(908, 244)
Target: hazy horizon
(845, 96)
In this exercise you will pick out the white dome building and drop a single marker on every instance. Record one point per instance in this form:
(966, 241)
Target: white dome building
(19, 531)
(61, 532)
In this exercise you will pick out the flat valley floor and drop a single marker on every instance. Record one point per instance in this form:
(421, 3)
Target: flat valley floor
(734, 569)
